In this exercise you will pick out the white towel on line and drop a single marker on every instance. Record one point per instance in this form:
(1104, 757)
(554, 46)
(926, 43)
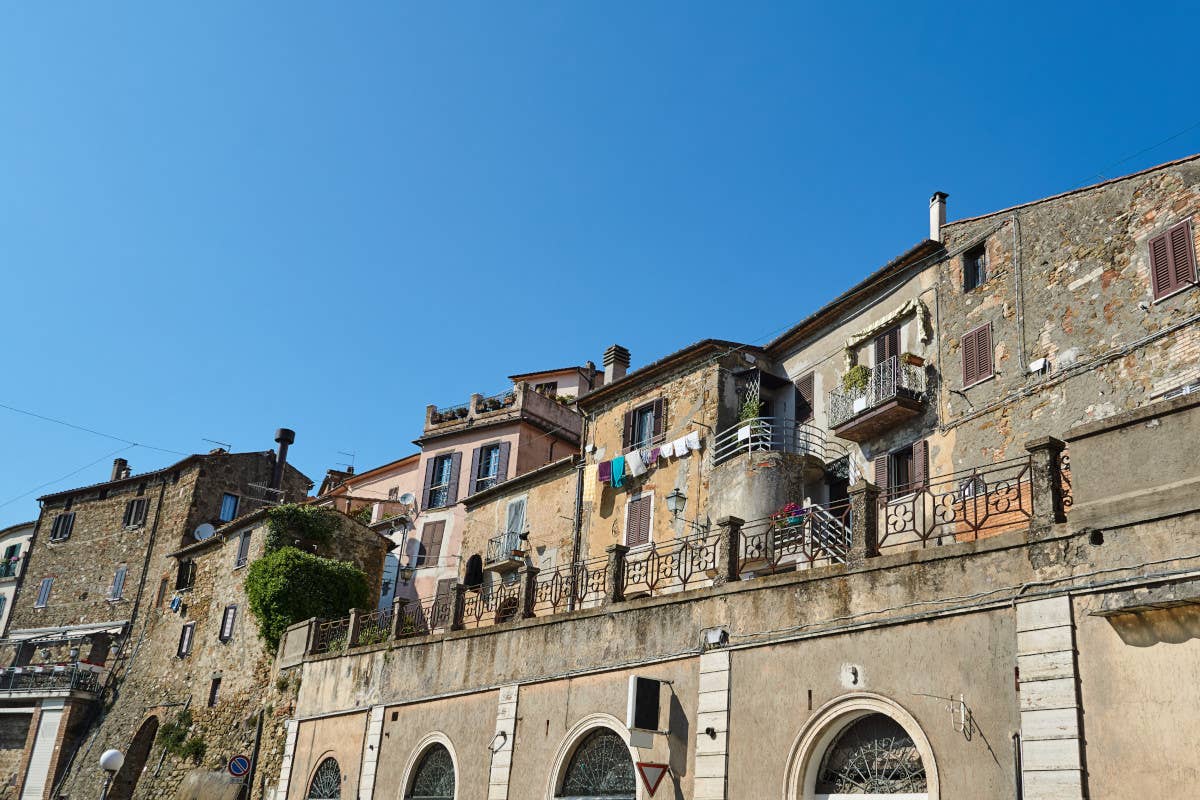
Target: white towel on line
(633, 460)
(680, 447)
(693, 440)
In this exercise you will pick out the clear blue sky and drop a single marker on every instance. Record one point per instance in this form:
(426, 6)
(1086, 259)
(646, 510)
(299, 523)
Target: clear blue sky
(216, 219)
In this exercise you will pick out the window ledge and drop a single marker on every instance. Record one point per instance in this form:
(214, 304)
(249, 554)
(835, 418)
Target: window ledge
(1171, 294)
(979, 382)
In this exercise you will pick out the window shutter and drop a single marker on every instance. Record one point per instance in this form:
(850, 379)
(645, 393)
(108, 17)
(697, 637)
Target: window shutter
(627, 433)
(429, 465)
(983, 355)
(1160, 265)
(128, 514)
(660, 416)
(431, 538)
(637, 526)
(474, 474)
(502, 466)
(920, 470)
(887, 345)
(970, 357)
(805, 390)
(452, 488)
(1183, 255)
(516, 516)
(881, 472)
(118, 584)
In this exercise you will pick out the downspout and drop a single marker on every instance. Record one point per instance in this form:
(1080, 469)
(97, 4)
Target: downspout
(578, 532)
(248, 786)
(1019, 290)
(1018, 767)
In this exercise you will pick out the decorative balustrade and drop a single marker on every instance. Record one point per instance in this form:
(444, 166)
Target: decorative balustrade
(762, 434)
(420, 617)
(671, 567)
(35, 678)
(963, 506)
(570, 586)
(886, 381)
(502, 547)
(812, 536)
(1064, 472)
(332, 634)
(492, 605)
(496, 402)
(374, 627)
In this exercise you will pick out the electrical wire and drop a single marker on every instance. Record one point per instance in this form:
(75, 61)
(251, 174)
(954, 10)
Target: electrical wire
(93, 431)
(68, 475)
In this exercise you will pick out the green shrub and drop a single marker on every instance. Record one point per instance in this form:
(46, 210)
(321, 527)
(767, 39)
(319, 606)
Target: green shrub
(373, 635)
(291, 521)
(290, 585)
(363, 515)
(173, 737)
(856, 378)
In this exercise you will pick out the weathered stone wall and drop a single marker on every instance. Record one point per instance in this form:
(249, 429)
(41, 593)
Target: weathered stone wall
(14, 730)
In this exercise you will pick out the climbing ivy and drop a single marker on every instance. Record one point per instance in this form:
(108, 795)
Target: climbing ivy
(289, 585)
(175, 738)
(290, 522)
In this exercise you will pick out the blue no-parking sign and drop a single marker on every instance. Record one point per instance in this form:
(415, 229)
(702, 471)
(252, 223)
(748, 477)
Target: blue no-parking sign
(239, 766)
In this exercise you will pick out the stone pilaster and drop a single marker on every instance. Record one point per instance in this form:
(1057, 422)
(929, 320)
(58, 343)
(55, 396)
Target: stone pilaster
(864, 521)
(615, 589)
(728, 548)
(1046, 480)
(712, 727)
(506, 724)
(370, 759)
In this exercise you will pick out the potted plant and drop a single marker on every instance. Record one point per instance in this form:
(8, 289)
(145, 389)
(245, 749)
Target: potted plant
(461, 413)
(791, 514)
(912, 359)
(856, 378)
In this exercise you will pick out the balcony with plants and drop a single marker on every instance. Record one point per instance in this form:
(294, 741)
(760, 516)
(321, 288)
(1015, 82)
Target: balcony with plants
(874, 400)
(519, 402)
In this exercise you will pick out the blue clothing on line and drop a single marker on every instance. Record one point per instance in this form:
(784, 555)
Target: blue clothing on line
(618, 470)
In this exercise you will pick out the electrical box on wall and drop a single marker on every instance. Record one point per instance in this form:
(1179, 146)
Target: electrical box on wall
(643, 710)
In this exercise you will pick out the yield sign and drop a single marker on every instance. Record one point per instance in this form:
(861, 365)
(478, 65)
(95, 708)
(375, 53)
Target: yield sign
(652, 775)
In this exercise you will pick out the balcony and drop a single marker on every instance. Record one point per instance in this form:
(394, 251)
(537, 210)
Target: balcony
(51, 678)
(521, 402)
(768, 434)
(888, 395)
(505, 552)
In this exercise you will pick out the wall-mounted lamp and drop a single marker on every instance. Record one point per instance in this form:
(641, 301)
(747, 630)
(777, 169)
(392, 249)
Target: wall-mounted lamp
(494, 746)
(676, 502)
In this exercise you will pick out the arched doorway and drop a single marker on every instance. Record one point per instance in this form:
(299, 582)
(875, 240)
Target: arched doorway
(127, 777)
(599, 769)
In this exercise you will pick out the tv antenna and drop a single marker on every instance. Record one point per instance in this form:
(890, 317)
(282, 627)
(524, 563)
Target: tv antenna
(228, 447)
(349, 463)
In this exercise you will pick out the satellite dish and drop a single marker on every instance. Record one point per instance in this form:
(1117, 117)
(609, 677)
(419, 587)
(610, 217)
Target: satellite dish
(408, 498)
(203, 532)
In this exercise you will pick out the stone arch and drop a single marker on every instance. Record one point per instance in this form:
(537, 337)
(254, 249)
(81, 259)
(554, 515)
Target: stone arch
(829, 722)
(576, 736)
(126, 779)
(428, 742)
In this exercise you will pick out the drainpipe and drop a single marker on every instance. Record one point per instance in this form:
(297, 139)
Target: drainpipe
(248, 786)
(1017, 767)
(578, 531)
(1019, 291)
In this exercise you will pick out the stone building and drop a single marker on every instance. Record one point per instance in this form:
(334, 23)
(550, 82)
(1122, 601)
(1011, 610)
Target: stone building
(934, 541)
(14, 549)
(97, 556)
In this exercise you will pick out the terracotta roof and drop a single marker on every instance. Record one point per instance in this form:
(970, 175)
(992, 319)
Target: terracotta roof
(653, 369)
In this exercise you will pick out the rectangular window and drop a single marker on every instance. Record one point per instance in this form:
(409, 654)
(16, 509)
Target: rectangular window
(637, 520)
(903, 471)
(135, 512)
(1172, 261)
(162, 592)
(887, 346)
(214, 689)
(185, 640)
(439, 487)
(61, 529)
(227, 623)
(394, 493)
(117, 590)
(186, 574)
(489, 466)
(515, 517)
(974, 267)
(976, 349)
(43, 595)
(229, 506)
(11, 562)
(900, 471)
(644, 425)
(243, 551)
(550, 388)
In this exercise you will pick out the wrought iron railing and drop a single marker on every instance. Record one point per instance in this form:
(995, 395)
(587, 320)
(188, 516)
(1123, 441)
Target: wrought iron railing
(374, 627)
(50, 678)
(571, 586)
(963, 506)
(419, 617)
(331, 635)
(672, 566)
(1064, 472)
(885, 381)
(812, 536)
(503, 547)
(11, 569)
(496, 402)
(492, 605)
(777, 435)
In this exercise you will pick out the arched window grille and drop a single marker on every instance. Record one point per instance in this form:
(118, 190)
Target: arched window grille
(600, 769)
(326, 781)
(433, 778)
(872, 756)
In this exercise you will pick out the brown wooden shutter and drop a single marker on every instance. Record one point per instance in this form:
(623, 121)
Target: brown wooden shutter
(887, 345)
(429, 465)
(881, 472)
(660, 417)
(502, 462)
(1183, 255)
(1160, 266)
(455, 468)
(627, 432)
(128, 514)
(920, 469)
(637, 525)
(983, 352)
(431, 539)
(805, 390)
(970, 358)
(473, 476)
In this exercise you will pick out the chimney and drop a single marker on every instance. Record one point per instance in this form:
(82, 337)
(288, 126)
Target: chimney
(616, 363)
(120, 469)
(285, 437)
(937, 215)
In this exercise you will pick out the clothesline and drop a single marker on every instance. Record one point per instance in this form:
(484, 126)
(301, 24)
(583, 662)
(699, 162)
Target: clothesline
(639, 460)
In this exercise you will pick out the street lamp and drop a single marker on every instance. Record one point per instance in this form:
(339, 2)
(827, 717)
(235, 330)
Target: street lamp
(676, 502)
(111, 762)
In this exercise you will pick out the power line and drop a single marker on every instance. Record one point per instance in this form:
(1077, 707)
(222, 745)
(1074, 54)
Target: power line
(1170, 138)
(92, 431)
(68, 475)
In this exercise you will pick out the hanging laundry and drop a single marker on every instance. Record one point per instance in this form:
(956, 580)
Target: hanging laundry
(618, 471)
(680, 447)
(604, 471)
(636, 465)
(646, 459)
(654, 453)
(693, 440)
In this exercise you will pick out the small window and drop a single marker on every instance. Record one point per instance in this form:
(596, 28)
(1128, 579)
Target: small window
(186, 575)
(489, 467)
(214, 689)
(394, 493)
(162, 592)
(43, 595)
(135, 512)
(550, 388)
(61, 529)
(644, 425)
(117, 590)
(974, 267)
(227, 620)
(185, 640)
(430, 551)
(439, 486)
(243, 551)
(229, 506)
(976, 349)
(900, 470)
(1172, 261)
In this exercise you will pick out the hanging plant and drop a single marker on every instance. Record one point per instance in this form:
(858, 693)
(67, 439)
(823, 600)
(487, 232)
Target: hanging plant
(856, 378)
(751, 409)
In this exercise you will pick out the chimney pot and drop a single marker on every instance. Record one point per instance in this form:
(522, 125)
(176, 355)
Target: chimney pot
(120, 469)
(616, 363)
(285, 437)
(937, 215)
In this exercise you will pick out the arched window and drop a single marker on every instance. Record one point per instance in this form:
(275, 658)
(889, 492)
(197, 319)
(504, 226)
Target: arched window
(433, 779)
(326, 781)
(473, 578)
(599, 768)
(872, 757)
